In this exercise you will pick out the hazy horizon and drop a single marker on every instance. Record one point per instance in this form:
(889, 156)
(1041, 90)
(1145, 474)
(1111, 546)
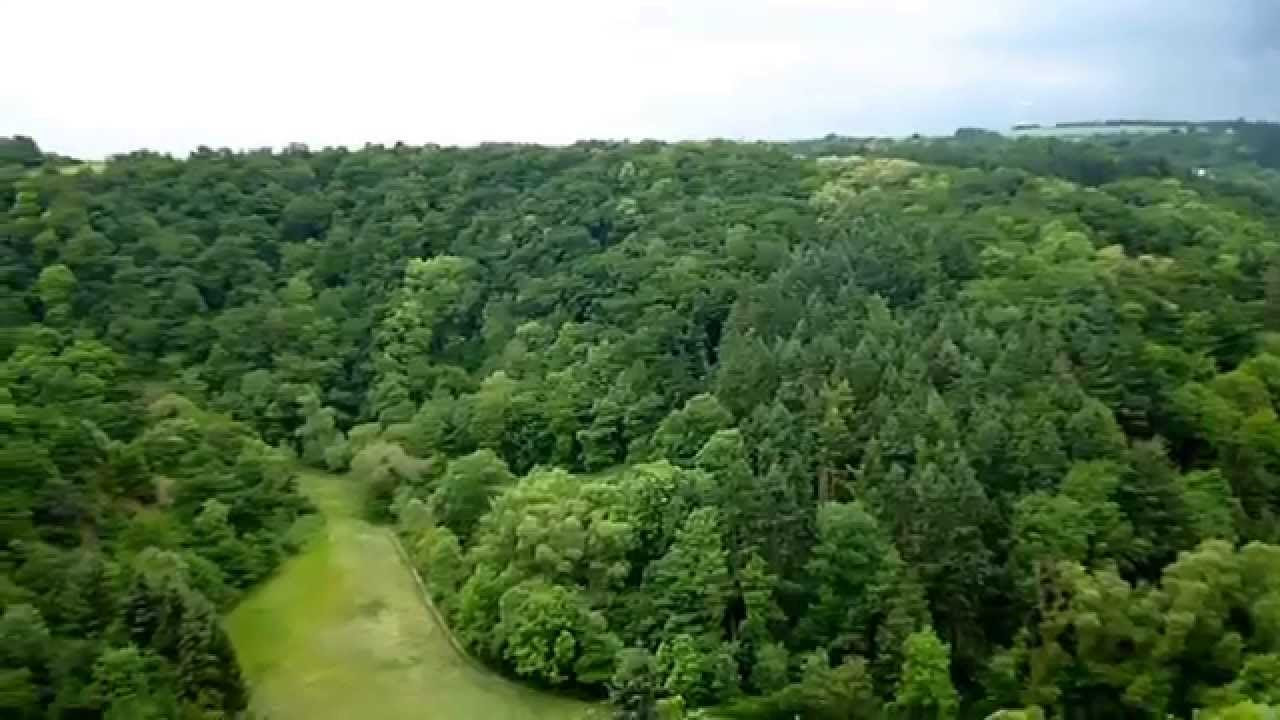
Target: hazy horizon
(100, 80)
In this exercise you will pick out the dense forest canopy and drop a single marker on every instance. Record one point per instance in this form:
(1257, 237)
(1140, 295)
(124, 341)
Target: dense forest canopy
(845, 428)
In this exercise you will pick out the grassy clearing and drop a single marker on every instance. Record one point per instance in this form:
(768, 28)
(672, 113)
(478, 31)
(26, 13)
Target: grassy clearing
(94, 166)
(91, 166)
(341, 632)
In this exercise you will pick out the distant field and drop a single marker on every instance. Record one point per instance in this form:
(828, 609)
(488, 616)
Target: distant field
(1090, 130)
(341, 633)
(95, 166)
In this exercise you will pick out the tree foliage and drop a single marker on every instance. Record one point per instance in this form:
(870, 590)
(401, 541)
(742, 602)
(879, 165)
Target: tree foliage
(842, 428)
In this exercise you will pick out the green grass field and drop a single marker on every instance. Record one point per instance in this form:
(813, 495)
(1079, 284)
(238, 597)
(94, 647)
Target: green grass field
(342, 632)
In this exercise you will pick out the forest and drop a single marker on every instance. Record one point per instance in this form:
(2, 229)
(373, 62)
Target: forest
(921, 429)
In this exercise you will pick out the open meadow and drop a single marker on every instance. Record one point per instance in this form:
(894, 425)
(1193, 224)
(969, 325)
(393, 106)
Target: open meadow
(343, 632)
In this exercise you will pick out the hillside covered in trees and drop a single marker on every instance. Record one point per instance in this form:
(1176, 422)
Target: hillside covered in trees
(836, 429)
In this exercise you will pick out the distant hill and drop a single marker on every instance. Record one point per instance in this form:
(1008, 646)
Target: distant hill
(20, 150)
(23, 151)
(1258, 140)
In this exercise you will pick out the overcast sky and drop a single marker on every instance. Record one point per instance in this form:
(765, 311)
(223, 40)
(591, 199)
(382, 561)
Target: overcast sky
(89, 78)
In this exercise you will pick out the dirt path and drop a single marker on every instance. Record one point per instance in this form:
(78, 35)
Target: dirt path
(342, 632)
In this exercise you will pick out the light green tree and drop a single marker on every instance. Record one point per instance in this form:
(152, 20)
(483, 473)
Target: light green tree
(924, 689)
